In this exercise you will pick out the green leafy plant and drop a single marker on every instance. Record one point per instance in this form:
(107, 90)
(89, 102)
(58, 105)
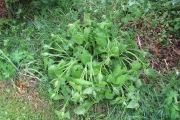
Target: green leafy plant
(171, 95)
(94, 64)
(7, 66)
(88, 64)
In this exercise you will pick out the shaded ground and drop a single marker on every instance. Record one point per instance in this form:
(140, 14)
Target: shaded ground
(3, 12)
(166, 57)
(165, 51)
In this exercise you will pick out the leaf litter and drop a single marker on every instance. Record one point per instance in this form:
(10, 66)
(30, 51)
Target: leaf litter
(165, 54)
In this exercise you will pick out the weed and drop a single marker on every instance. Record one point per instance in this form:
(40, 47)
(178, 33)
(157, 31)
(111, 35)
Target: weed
(87, 52)
(91, 64)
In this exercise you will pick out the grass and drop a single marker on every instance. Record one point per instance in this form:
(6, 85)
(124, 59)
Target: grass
(22, 44)
(18, 104)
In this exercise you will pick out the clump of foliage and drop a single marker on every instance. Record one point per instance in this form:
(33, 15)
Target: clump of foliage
(89, 63)
(89, 54)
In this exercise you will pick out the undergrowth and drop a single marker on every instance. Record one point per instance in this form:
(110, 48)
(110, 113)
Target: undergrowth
(89, 58)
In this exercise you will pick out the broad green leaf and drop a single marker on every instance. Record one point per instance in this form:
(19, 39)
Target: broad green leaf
(176, 106)
(115, 90)
(168, 100)
(96, 71)
(81, 81)
(76, 96)
(57, 84)
(80, 110)
(75, 86)
(87, 30)
(101, 84)
(66, 91)
(78, 37)
(110, 78)
(177, 19)
(138, 13)
(101, 38)
(61, 81)
(165, 14)
(51, 70)
(115, 50)
(138, 83)
(109, 94)
(77, 50)
(88, 90)
(116, 70)
(133, 104)
(45, 54)
(118, 100)
(67, 115)
(121, 79)
(62, 114)
(99, 50)
(175, 115)
(175, 95)
(126, 19)
(177, 26)
(87, 20)
(131, 88)
(94, 94)
(136, 65)
(55, 96)
(46, 47)
(88, 103)
(62, 63)
(101, 25)
(122, 46)
(72, 30)
(100, 77)
(123, 71)
(76, 71)
(96, 67)
(85, 57)
(102, 41)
